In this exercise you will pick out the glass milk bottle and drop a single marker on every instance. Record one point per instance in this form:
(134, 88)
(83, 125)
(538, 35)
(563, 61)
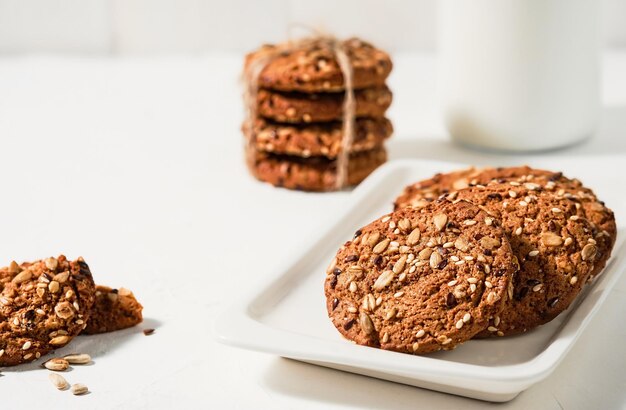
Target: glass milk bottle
(519, 75)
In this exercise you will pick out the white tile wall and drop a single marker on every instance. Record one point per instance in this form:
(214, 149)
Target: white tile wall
(163, 26)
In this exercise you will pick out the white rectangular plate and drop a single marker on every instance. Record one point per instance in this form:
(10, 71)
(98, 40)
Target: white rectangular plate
(286, 315)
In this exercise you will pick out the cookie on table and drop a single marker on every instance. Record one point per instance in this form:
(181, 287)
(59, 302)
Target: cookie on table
(420, 279)
(315, 173)
(313, 68)
(553, 245)
(114, 309)
(321, 107)
(320, 139)
(43, 306)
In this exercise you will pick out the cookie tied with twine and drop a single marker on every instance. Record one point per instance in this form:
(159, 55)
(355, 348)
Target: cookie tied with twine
(321, 64)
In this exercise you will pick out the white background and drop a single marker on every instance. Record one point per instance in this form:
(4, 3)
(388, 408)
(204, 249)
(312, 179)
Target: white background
(162, 26)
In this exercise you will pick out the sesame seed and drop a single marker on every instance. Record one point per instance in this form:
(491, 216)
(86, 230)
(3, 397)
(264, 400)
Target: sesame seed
(379, 300)
(556, 210)
(469, 222)
(472, 288)
(352, 309)
(574, 217)
(448, 244)
(385, 337)
(459, 324)
(412, 269)
(469, 258)
(533, 253)
(512, 194)
(454, 258)
(392, 225)
(518, 231)
(416, 346)
(500, 333)
(488, 221)
(488, 284)
(537, 288)
(467, 317)
(398, 294)
(496, 320)
(420, 333)
(402, 277)
(523, 203)
(461, 262)
(568, 241)
(573, 280)
(472, 280)
(396, 231)
(385, 219)
(452, 283)
(492, 329)
(26, 345)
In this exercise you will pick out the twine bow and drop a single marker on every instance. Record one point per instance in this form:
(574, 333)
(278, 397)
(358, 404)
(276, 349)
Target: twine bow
(251, 88)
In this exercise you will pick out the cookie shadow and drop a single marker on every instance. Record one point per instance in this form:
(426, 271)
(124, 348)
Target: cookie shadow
(94, 345)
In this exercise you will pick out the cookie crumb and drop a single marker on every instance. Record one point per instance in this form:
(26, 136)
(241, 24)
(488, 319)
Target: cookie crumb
(148, 332)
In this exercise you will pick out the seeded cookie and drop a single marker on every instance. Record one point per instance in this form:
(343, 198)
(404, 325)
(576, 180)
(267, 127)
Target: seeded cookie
(114, 309)
(321, 107)
(313, 67)
(553, 245)
(420, 279)
(321, 139)
(315, 173)
(600, 217)
(43, 305)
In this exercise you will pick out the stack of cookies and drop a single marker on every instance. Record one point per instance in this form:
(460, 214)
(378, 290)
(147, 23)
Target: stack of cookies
(296, 135)
(472, 253)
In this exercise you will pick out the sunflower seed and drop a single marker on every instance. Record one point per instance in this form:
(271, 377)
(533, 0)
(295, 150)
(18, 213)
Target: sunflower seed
(58, 381)
(589, 252)
(399, 265)
(414, 236)
(23, 276)
(383, 280)
(551, 239)
(78, 389)
(435, 260)
(57, 364)
(381, 246)
(440, 221)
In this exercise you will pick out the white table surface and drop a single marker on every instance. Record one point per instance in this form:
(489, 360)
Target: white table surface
(136, 164)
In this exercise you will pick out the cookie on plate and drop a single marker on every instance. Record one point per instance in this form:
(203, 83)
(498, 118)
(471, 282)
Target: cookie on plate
(315, 173)
(313, 67)
(420, 280)
(553, 245)
(321, 139)
(321, 107)
(114, 309)
(43, 306)
(600, 217)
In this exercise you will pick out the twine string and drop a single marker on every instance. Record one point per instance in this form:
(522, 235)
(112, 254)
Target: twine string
(251, 88)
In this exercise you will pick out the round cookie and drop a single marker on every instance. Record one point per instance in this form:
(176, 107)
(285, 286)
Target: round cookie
(114, 309)
(595, 210)
(43, 306)
(420, 280)
(553, 245)
(322, 139)
(600, 217)
(321, 107)
(315, 173)
(423, 192)
(313, 67)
